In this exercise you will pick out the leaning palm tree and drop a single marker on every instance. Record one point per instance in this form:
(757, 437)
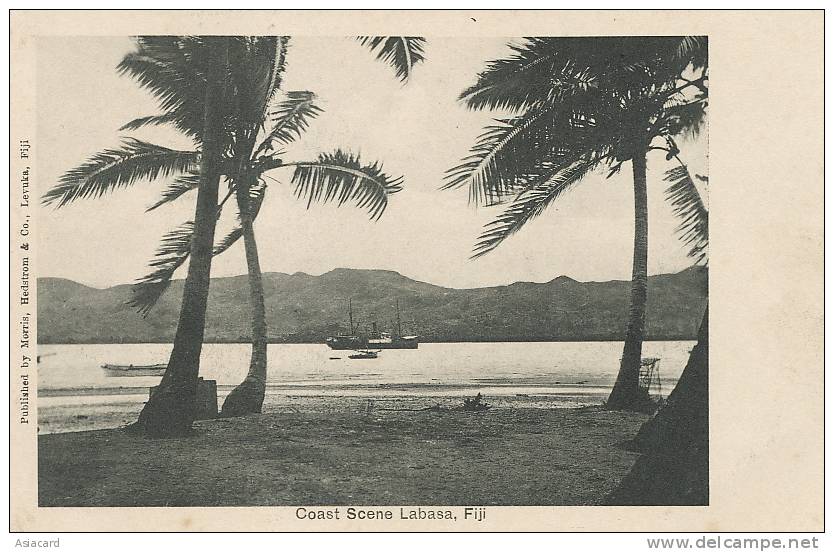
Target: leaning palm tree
(159, 65)
(580, 105)
(272, 126)
(203, 62)
(338, 177)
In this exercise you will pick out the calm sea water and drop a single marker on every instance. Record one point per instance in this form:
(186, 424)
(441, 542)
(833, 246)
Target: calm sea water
(73, 387)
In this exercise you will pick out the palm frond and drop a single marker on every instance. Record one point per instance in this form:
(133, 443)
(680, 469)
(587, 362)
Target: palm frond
(256, 198)
(686, 119)
(561, 69)
(228, 240)
(150, 120)
(173, 69)
(529, 204)
(171, 254)
(279, 65)
(117, 168)
(688, 206)
(540, 70)
(290, 119)
(253, 65)
(510, 155)
(181, 185)
(693, 50)
(252, 73)
(515, 82)
(402, 53)
(173, 251)
(608, 97)
(493, 167)
(341, 177)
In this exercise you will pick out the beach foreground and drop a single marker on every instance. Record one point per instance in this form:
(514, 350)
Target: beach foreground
(504, 456)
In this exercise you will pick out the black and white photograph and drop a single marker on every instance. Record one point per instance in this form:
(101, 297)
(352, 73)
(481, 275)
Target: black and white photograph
(362, 277)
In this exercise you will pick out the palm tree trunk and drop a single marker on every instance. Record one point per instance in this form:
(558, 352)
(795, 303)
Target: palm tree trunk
(625, 394)
(674, 466)
(170, 411)
(248, 397)
(684, 418)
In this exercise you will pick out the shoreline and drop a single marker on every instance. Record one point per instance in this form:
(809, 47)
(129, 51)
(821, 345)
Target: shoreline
(335, 388)
(100, 412)
(608, 339)
(75, 395)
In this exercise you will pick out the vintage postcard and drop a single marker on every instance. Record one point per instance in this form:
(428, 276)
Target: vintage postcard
(416, 271)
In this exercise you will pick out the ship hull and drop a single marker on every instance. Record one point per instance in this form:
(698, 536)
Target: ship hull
(356, 343)
(398, 344)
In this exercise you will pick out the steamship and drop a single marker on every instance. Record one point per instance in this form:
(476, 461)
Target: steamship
(375, 339)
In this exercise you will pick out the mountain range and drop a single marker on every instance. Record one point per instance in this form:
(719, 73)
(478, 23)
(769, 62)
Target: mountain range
(302, 309)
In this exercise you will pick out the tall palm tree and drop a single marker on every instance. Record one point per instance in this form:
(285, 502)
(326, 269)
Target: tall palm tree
(167, 68)
(255, 79)
(333, 177)
(279, 126)
(579, 105)
(203, 62)
(170, 411)
(673, 468)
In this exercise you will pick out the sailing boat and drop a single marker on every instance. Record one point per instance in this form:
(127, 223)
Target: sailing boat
(375, 339)
(349, 341)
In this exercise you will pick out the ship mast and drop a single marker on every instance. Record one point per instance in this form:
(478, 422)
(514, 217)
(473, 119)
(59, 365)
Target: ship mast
(350, 314)
(399, 326)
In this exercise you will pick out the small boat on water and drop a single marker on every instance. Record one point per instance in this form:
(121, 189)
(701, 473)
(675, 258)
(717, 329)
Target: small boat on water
(364, 355)
(127, 370)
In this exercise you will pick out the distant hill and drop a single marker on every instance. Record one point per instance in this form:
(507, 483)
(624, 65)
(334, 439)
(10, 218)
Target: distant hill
(304, 308)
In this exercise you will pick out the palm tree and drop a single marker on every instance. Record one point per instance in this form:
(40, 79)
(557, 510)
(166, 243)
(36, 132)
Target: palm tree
(285, 124)
(203, 62)
(160, 65)
(255, 80)
(333, 177)
(579, 105)
(674, 466)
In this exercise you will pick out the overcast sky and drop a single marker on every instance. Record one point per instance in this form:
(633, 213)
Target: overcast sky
(417, 130)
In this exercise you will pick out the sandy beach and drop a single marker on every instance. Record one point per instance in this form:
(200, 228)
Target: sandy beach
(327, 455)
(93, 409)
